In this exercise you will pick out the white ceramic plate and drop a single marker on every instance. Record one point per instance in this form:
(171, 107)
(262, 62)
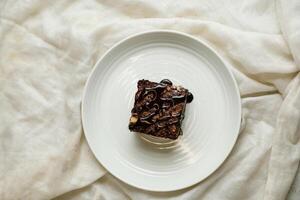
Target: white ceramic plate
(211, 123)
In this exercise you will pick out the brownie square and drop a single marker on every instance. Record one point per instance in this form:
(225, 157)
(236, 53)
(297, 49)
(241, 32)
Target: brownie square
(159, 108)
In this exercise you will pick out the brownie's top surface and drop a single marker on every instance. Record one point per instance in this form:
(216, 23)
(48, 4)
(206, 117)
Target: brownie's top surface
(159, 108)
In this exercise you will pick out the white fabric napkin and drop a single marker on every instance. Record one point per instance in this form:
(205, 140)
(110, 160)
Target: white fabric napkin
(48, 48)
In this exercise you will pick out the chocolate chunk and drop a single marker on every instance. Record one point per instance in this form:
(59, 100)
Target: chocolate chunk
(190, 97)
(166, 81)
(159, 108)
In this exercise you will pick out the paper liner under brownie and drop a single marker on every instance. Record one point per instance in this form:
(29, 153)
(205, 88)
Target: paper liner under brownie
(159, 109)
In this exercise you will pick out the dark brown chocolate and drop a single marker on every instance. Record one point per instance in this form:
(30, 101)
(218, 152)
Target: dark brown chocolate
(159, 108)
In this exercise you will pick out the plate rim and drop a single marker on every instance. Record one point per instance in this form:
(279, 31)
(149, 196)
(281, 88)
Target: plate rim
(166, 31)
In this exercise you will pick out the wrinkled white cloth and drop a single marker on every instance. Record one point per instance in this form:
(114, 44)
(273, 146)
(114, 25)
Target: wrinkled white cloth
(48, 48)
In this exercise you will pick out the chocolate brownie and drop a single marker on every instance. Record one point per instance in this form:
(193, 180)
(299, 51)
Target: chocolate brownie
(159, 108)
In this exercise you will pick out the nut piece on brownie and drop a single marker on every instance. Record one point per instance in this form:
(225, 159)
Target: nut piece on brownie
(159, 109)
